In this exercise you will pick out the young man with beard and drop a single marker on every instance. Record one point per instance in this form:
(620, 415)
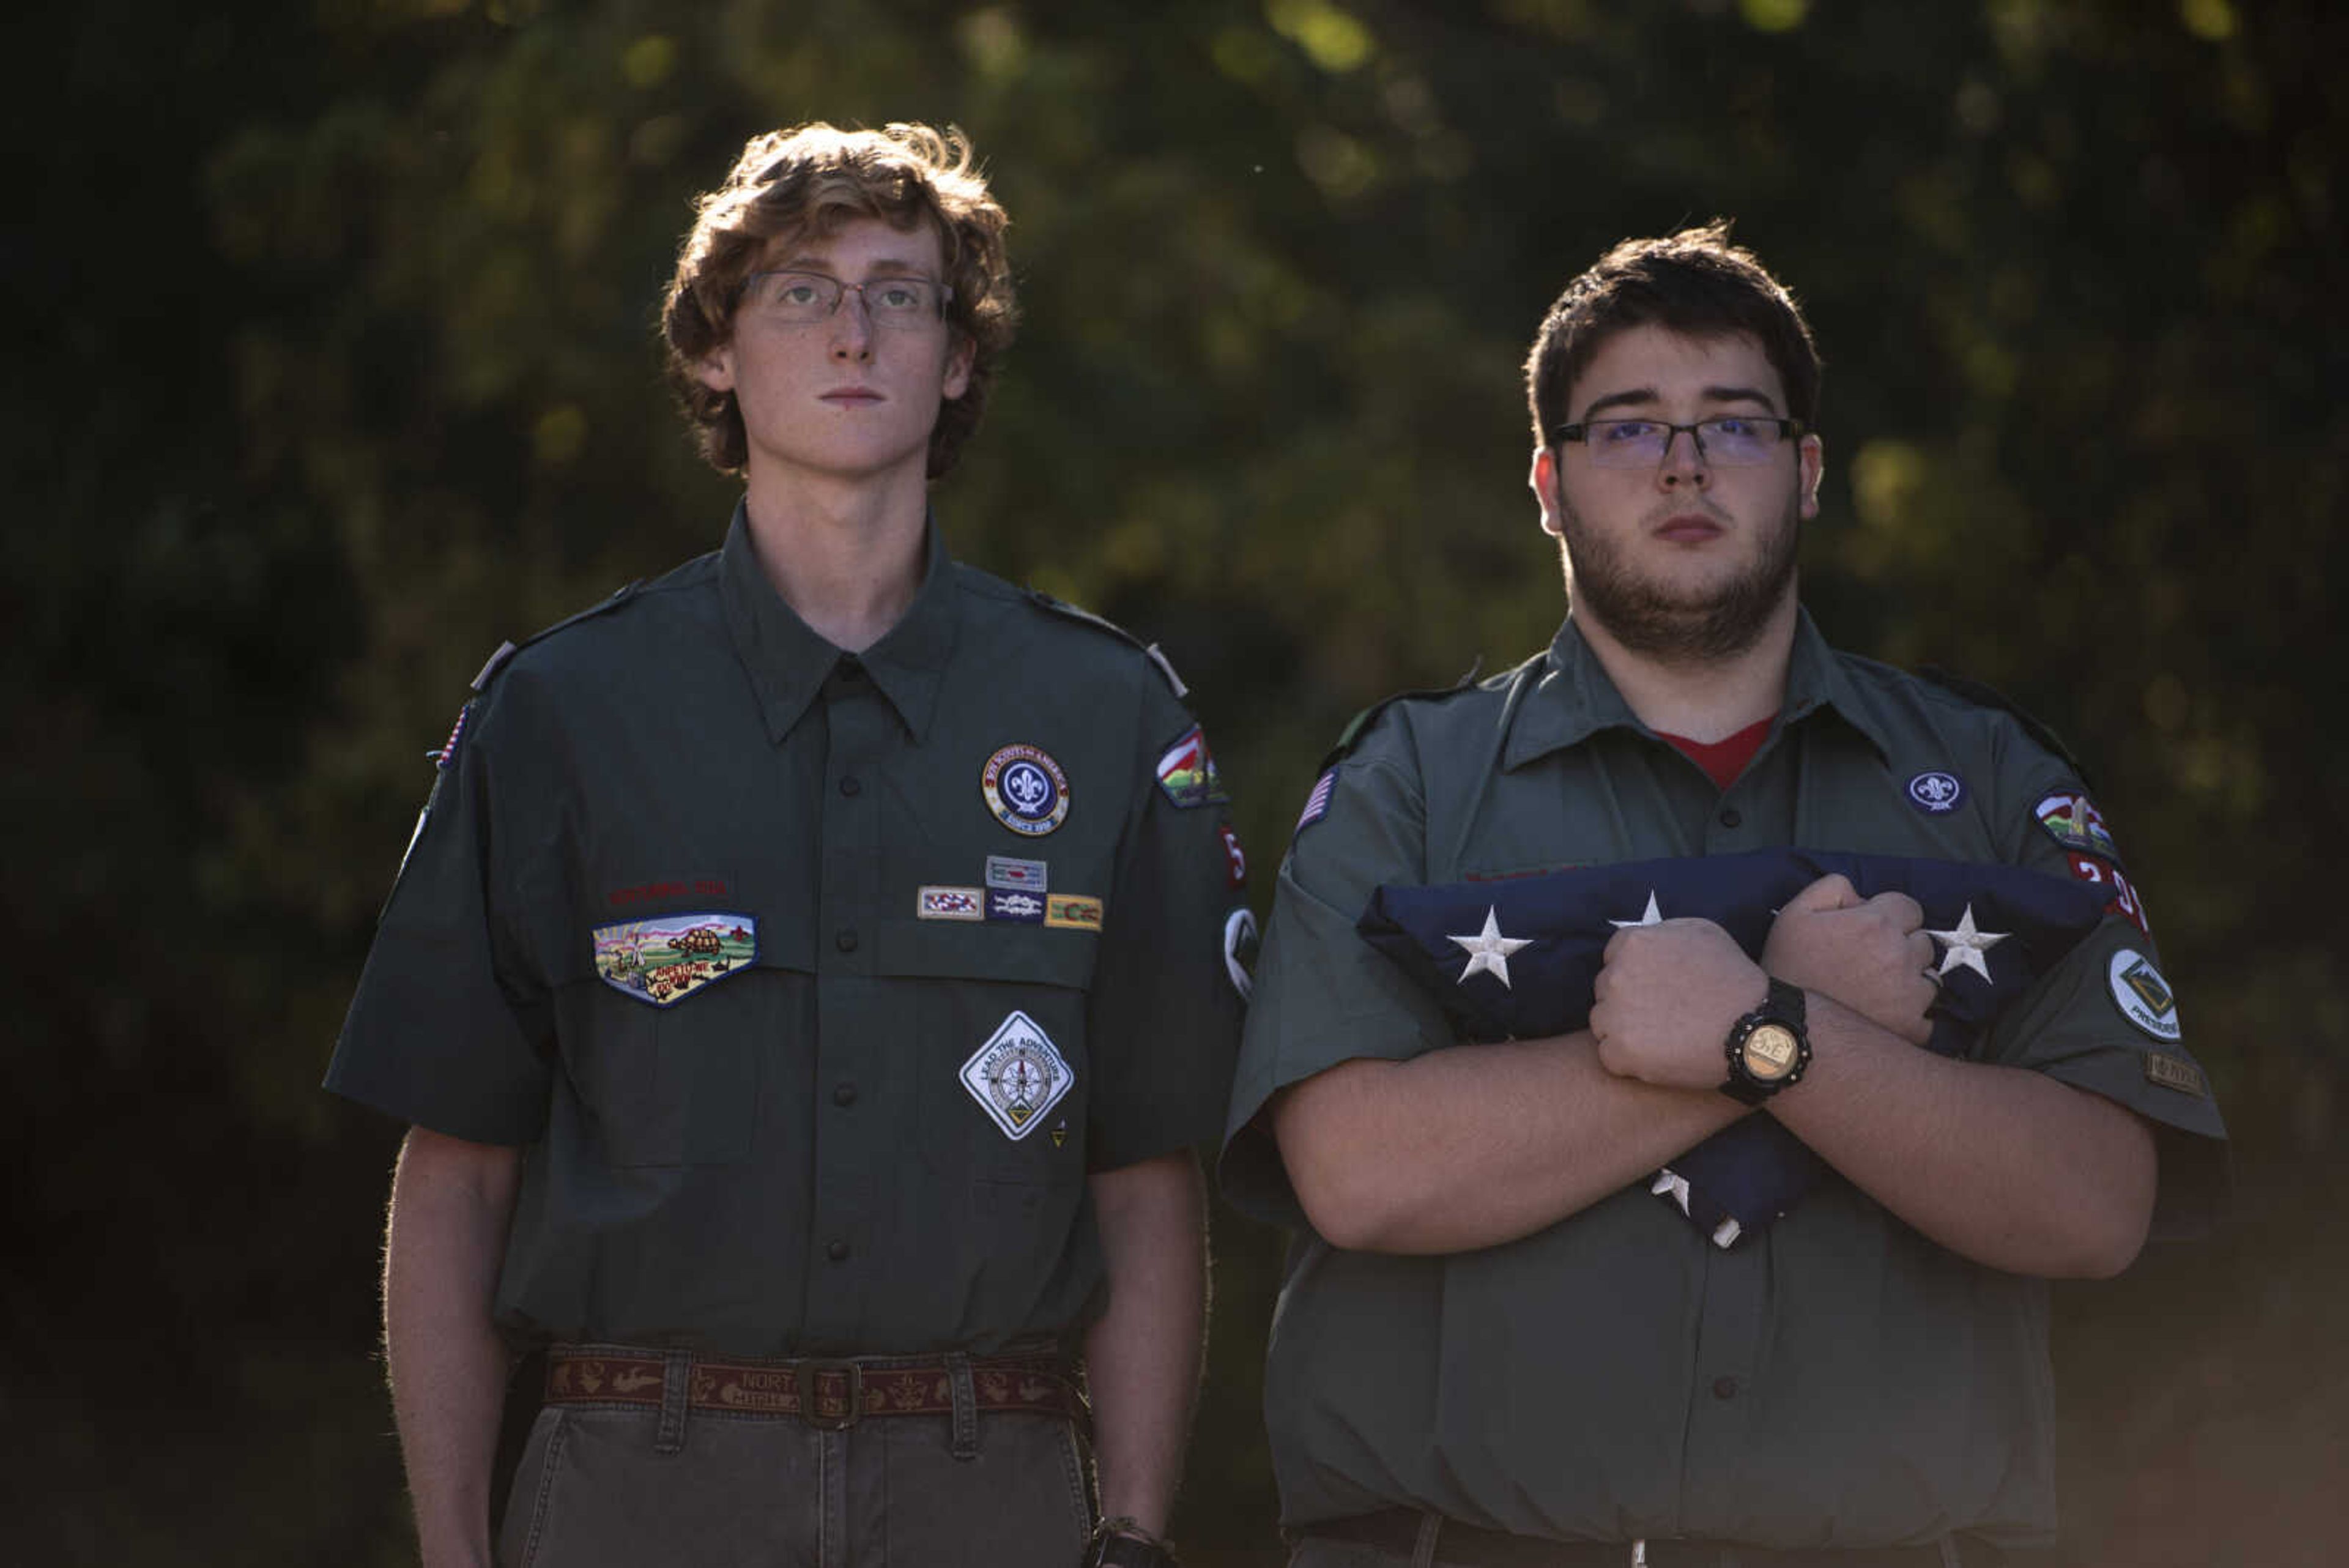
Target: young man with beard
(1501, 1340)
(808, 978)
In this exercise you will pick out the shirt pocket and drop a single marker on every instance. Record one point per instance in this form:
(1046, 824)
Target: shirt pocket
(670, 1076)
(994, 1015)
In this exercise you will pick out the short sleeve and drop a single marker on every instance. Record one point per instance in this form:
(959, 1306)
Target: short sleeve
(1163, 1013)
(1324, 995)
(2105, 1019)
(441, 1030)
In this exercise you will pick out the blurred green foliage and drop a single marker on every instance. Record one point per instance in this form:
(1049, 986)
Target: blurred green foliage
(336, 369)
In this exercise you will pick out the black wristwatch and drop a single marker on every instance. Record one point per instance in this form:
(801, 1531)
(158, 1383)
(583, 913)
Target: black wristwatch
(1768, 1048)
(1113, 1547)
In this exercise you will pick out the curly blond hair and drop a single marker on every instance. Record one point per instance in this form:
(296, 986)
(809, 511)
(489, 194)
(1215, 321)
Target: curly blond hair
(811, 179)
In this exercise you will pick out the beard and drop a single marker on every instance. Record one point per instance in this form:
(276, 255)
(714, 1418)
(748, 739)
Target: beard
(1650, 618)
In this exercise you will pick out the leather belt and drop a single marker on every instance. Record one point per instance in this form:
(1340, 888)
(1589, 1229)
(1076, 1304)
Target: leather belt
(1396, 1530)
(835, 1393)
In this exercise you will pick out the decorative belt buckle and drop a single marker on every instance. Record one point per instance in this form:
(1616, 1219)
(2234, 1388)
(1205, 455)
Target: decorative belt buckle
(839, 1415)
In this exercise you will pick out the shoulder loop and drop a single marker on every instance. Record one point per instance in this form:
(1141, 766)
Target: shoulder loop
(506, 651)
(1988, 696)
(1150, 651)
(1360, 724)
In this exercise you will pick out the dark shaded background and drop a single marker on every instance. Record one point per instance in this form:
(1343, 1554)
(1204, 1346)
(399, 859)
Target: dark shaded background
(334, 369)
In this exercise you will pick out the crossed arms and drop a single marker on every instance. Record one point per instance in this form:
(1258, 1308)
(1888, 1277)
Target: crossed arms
(1475, 1146)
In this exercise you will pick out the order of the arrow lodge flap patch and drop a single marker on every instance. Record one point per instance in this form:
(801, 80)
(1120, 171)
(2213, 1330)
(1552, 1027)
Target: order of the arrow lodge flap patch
(665, 959)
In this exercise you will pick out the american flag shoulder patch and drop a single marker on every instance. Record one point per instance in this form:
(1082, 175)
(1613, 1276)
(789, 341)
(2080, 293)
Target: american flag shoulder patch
(1317, 804)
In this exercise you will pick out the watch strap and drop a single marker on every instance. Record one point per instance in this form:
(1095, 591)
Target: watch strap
(1782, 1004)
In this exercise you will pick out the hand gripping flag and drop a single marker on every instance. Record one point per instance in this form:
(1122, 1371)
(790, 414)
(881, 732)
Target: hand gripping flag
(1517, 958)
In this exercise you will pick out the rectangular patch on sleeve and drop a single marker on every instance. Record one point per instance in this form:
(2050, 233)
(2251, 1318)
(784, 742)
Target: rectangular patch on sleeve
(2175, 1073)
(1317, 804)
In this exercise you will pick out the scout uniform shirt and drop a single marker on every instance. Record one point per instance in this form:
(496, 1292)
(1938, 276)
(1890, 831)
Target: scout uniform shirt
(815, 984)
(1834, 1380)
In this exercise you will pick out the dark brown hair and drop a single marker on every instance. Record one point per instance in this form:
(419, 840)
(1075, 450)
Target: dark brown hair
(1695, 283)
(811, 179)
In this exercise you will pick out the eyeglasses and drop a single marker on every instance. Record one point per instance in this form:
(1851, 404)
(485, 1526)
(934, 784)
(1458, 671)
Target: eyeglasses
(800, 298)
(1732, 440)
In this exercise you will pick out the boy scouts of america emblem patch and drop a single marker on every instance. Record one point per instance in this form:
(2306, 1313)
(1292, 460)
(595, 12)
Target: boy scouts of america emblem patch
(1025, 790)
(1017, 1075)
(1186, 772)
(667, 959)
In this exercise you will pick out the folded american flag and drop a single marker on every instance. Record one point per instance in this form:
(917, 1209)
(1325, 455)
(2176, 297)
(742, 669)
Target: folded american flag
(1996, 928)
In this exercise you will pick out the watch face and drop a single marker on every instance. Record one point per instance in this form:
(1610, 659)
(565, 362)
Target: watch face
(1770, 1052)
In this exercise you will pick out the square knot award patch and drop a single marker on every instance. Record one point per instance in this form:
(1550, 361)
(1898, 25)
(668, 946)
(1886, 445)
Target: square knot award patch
(667, 959)
(1017, 1075)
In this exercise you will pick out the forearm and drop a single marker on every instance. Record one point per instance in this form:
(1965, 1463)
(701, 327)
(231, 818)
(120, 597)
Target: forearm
(1476, 1145)
(2004, 1166)
(1143, 1354)
(451, 1203)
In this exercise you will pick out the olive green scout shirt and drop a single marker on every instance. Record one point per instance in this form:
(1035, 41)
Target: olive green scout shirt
(1836, 1379)
(815, 984)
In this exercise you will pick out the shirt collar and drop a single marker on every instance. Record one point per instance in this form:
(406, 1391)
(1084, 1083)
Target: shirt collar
(1572, 699)
(789, 660)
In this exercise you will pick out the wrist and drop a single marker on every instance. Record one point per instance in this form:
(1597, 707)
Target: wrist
(1768, 1048)
(1121, 1541)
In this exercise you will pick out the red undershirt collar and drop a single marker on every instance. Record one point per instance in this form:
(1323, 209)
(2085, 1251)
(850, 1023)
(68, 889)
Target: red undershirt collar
(1725, 759)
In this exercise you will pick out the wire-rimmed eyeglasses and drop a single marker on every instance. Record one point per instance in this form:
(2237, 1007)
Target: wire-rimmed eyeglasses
(803, 298)
(1730, 440)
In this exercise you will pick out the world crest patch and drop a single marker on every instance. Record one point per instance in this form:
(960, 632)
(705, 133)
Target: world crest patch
(665, 959)
(1017, 1075)
(1935, 791)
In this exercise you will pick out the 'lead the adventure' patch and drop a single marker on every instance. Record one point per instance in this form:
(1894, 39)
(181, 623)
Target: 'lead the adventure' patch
(1017, 1075)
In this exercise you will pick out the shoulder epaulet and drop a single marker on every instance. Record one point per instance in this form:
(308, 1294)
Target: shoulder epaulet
(1360, 724)
(506, 651)
(1986, 696)
(1150, 651)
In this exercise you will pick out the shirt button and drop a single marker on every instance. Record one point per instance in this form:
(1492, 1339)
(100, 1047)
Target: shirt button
(836, 1250)
(845, 942)
(850, 786)
(844, 1094)
(1730, 817)
(1722, 1387)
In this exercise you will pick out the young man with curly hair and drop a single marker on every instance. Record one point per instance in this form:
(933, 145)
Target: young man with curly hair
(809, 977)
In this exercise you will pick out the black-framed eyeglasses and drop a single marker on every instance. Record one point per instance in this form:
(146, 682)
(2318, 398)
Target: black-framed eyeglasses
(1729, 441)
(799, 298)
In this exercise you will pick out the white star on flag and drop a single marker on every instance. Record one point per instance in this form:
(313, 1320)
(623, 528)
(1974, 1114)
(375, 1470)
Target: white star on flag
(1966, 946)
(1654, 916)
(1489, 949)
